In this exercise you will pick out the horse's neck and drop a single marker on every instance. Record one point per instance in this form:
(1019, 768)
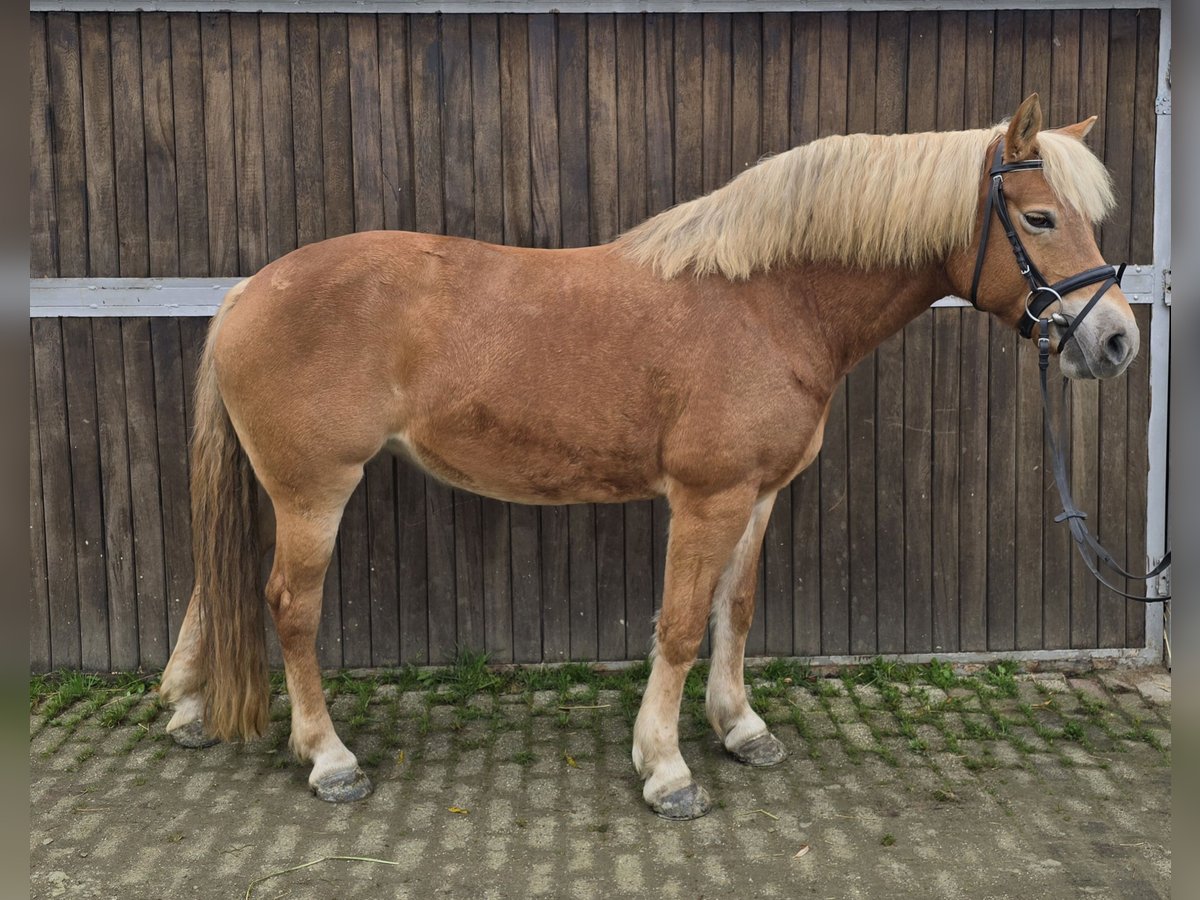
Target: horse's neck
(847, 313)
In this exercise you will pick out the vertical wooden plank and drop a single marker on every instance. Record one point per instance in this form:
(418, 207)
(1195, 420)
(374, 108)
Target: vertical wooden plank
(306, 128)
(835, 547)
(983, 37)
(456, 126)
(148, 549)
(382, 547)
(366, 146)
(518, 231)
(717, 163)
(221, 175)
(514, 125)
(159, 127)
(1115, 121)
(1137, 460)
(1141, 226)
(425, 77)
(602, 129)
(354, 573)
(1002, 488)
(468, 570)
(631, 120)
(689, 106)
(100, 173)
(543, 130)
(329, 631)
(55, 447)
(776, 82)
(573, 122)
(171, 434)
(43, 216)
(79, 371)
(280, 187)
(412, 572)
(395, 116)
(555, 572)
(660, 187)
(67, 132)
(250, 165)
(582, 582)
(187, 79)
(116, 491)
(486, 131)
(336, 126)
(1040, 594)
(806, 490)
(129, 143)
(39, 598)
(489, 226)
(860, 383)
(890, 90)
(918, 362)
(947, 341)
(746, 40)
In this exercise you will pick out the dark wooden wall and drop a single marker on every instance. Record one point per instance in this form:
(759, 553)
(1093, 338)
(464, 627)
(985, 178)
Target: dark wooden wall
(207, 145)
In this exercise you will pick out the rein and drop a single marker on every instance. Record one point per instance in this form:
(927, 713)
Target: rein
(1043, 294)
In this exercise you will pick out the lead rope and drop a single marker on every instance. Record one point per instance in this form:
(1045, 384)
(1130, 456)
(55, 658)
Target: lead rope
(1085, 541)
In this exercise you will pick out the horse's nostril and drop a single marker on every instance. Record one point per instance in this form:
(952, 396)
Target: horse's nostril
(1116, 348)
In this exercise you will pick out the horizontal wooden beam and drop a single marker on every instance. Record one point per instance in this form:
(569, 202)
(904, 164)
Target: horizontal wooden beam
(565, 6)
(202, 296)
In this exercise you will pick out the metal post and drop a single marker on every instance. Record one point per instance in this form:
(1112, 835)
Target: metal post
(1160, 346)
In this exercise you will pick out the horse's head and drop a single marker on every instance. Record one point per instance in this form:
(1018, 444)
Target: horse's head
(1050, 192)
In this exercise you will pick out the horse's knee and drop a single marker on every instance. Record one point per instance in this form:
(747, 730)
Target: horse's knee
(677, 637)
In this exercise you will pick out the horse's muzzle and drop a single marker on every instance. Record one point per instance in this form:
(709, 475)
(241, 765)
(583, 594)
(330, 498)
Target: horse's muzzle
(1102, 346)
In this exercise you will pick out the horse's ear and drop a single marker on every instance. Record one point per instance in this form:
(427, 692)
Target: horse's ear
(1080, 129)
(1023, 129)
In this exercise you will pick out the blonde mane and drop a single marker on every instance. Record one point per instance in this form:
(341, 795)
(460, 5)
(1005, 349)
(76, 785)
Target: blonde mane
(863, 201)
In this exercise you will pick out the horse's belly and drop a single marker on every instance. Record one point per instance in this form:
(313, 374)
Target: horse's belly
(536, 471)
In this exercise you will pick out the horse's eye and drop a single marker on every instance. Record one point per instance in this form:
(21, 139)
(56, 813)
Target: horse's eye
(1038, 220)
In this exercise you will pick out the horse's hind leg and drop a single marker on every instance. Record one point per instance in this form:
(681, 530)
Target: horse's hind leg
(304, 541)
(182, 685)
(741, 729)
(704, 531)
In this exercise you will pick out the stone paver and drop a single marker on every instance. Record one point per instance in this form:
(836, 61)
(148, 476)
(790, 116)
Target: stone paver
(513, 797)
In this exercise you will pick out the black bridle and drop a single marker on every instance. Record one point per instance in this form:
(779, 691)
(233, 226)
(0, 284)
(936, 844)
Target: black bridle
(1042, 295)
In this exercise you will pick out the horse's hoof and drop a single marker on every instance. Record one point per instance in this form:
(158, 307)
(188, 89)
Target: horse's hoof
(343, 787)
(688, 802)
(764, 750)
(193, 736)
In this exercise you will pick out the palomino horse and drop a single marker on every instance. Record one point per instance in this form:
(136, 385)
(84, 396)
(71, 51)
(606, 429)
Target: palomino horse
(694, 357)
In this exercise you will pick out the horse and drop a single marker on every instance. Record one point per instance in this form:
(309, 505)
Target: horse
(694, 357)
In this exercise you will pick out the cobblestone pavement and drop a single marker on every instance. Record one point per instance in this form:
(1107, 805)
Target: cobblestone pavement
(901, 782)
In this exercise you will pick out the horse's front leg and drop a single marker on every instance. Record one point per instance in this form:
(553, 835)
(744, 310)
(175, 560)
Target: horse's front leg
(740, 728)
(705, 528)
